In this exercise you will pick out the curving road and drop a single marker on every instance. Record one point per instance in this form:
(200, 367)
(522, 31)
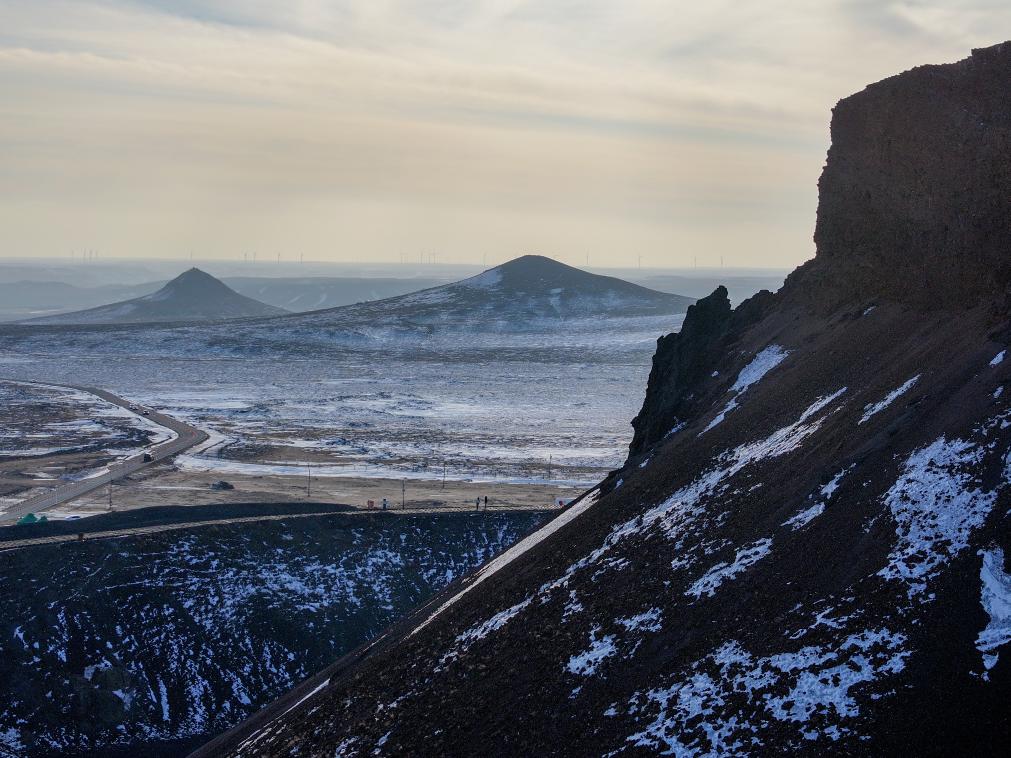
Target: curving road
(187, 437)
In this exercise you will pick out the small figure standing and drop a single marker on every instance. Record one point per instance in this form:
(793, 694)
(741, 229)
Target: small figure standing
(486, 502)
(477, 503)
(384, 503)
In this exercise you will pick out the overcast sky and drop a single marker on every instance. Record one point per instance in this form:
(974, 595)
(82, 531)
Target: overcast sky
(368, 129)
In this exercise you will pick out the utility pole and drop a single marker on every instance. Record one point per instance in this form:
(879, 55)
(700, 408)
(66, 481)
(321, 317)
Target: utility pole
(403, 494)
(308, 478)
(444, 474)
(549, 466)
(110, 495)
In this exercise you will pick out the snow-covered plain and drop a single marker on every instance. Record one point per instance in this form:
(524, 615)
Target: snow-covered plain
(386, 403)
(41, 420)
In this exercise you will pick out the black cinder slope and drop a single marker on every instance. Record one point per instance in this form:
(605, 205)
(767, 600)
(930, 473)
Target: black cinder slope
(806, 551)
(192, 296)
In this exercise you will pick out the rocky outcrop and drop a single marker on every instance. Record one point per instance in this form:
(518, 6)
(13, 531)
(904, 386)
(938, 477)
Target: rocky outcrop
(914, 198)
(684, 362)
(914, 207)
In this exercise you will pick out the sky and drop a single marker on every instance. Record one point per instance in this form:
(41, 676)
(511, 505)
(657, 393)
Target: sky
(615, 133)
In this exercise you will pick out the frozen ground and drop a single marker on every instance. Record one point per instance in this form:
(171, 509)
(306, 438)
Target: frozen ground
(511, 407)
(52, 434)
(40, 420)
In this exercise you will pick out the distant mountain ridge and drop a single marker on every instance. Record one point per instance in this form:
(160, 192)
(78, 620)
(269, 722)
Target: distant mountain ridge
(528, 289)
(192, 296)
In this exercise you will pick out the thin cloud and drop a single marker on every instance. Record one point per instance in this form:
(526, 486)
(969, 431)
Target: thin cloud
(652, 128)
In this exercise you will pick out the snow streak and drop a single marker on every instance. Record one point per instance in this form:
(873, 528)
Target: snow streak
(760, 365)
(996, 599)
(873, 408)
(721, 572)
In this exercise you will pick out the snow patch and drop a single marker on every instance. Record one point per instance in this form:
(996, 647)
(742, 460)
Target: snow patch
(998, 359)
(935, 508)
(710, 581)
(643, 622)
(873, 408)
(760, 365)
(811, 688)
(806, 516)
(587, 662)
(996, 599)
(809, 514)
(829, 489)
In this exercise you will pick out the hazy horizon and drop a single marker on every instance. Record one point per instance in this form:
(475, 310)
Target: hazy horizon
(469, 133)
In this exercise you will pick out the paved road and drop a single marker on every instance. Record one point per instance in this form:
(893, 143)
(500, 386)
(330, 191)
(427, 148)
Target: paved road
(188, 436)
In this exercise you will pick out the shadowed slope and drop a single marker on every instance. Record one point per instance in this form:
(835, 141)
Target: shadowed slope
(191, 296)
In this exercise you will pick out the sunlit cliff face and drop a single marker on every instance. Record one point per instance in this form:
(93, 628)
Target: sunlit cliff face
(361, 129)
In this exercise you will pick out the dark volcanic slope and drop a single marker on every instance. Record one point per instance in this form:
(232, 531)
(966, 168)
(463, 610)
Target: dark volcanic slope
(806, 551)
(191, 296)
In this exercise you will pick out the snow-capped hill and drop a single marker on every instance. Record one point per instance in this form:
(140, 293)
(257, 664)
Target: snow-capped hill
(192, 296)
(805, 552)
(520, 293)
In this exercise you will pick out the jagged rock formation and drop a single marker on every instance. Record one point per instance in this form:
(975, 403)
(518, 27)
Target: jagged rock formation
(813, 562)
(685, 360)
(192, 296)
